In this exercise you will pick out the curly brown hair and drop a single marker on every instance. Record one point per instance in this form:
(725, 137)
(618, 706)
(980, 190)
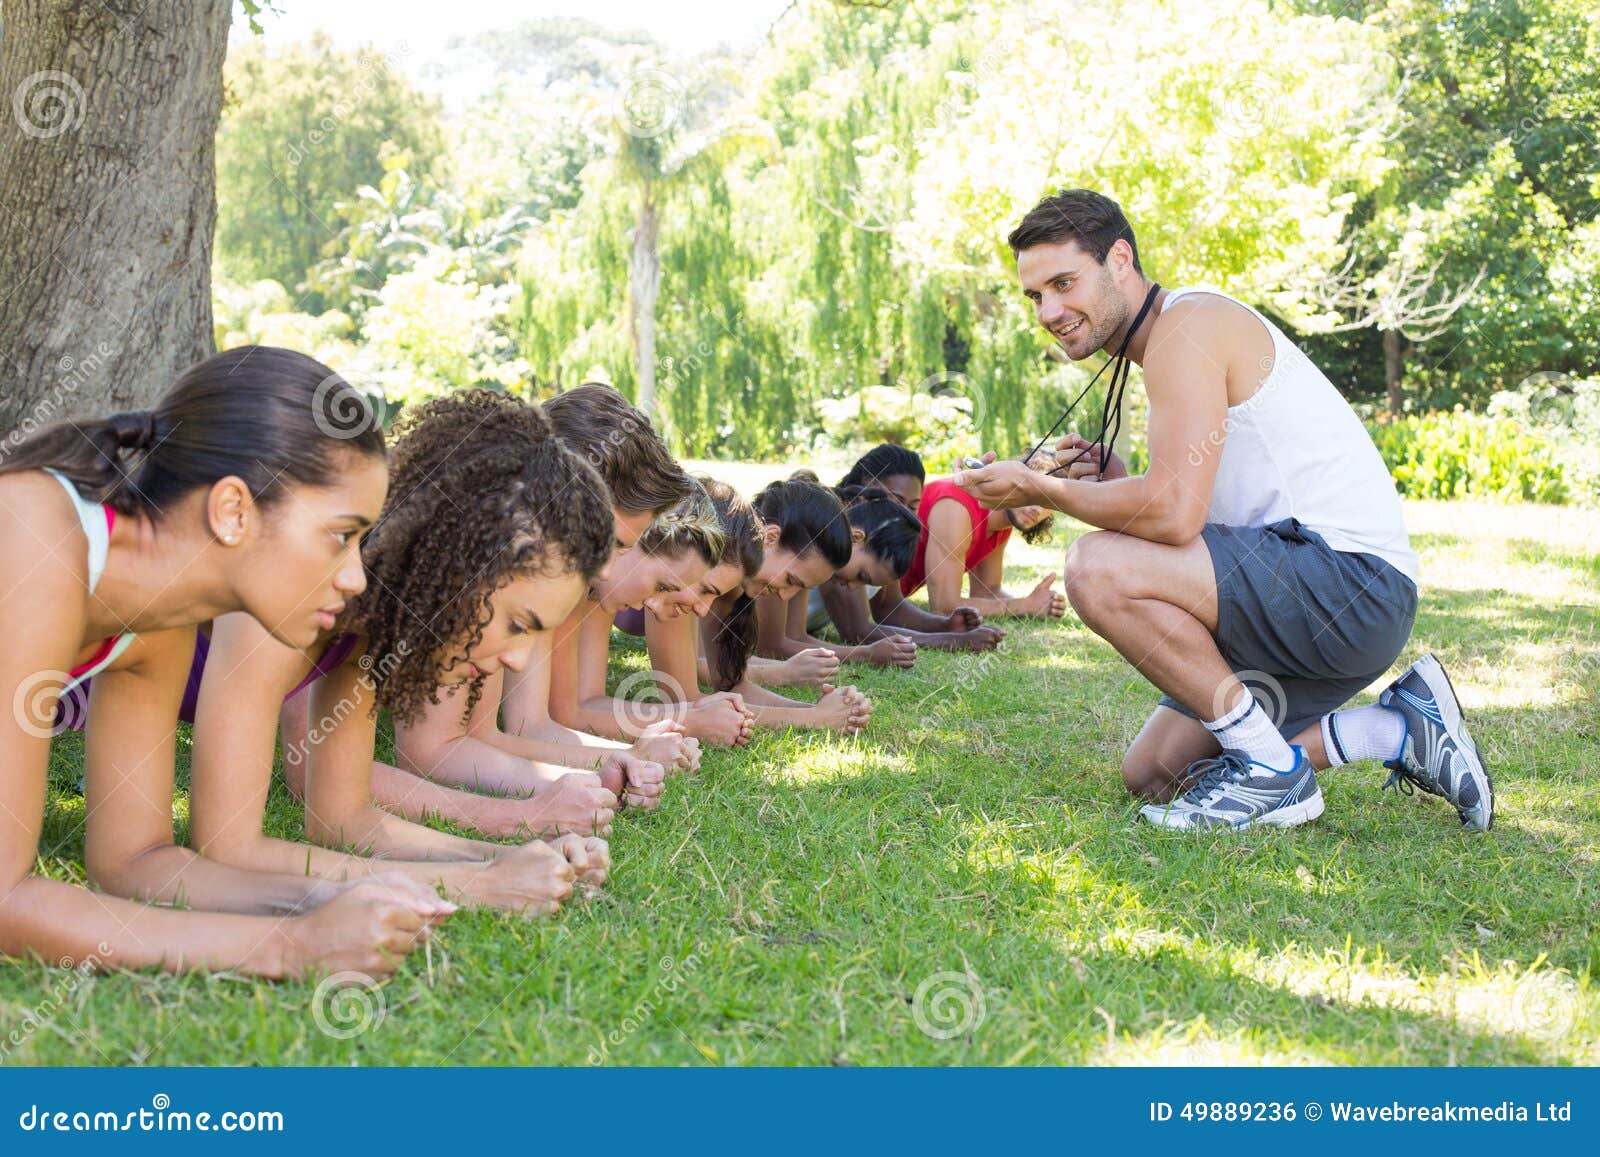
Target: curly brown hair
(481, 492)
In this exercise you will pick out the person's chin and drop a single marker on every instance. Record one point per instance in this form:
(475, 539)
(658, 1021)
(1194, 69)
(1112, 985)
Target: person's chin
(299, 635)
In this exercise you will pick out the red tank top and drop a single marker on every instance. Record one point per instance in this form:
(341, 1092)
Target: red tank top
(107, 650)
(983, 543)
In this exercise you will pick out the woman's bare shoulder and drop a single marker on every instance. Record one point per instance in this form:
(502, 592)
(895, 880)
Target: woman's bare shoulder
(39, 528)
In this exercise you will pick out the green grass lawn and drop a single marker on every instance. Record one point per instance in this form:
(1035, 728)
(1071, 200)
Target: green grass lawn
(968, 884)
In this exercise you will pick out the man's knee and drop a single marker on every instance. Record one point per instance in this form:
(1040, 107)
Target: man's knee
(1148, 777)
(1159, 758)
(1091, 573)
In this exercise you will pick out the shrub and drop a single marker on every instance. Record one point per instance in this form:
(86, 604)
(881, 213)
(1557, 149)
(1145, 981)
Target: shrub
(937, 426)
(1567, 413)
(1458, 454)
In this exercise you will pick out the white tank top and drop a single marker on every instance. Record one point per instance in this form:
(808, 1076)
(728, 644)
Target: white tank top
(1295, 449)
(96, 528)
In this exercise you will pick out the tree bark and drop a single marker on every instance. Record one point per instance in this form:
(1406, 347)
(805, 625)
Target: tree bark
(1394, 372)
(108, 117)
(644, 276)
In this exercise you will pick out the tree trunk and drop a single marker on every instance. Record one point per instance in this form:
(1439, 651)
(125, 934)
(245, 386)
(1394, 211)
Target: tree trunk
(1394, 372)
(108, 192)
(644, 279)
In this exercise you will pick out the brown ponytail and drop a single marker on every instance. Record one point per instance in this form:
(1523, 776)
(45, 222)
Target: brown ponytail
(735, 639)
(266, 415)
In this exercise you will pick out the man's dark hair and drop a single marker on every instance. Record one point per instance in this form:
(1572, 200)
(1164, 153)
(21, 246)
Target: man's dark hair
(1093, 220)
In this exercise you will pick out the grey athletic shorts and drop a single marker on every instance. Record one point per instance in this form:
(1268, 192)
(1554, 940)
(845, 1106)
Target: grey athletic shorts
(1304, 626)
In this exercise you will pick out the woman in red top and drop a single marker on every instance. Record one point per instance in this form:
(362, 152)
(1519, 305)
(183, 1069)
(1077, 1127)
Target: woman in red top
(959, 538)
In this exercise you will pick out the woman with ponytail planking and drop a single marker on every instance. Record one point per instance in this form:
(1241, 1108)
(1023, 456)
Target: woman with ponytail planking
(246, 488)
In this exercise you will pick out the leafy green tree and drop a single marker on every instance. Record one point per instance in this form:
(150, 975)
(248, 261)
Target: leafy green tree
(1495, 148)
(305, 128)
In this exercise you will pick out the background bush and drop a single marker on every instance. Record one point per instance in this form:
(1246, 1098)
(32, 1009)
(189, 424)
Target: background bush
(1458, 454)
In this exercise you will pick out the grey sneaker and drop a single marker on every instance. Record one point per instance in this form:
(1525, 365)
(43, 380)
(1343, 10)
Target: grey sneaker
(1236, 792)
(1438, 755)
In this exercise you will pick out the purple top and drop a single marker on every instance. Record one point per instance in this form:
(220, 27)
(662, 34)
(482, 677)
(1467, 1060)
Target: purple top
(338, 652)
(75, 714)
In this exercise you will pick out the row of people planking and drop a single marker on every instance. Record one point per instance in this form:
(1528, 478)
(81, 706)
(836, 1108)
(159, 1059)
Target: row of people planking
(247, 558)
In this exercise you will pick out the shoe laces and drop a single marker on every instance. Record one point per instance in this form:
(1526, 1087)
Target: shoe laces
(1209, 774)
(1402, 781)
(1406, 781)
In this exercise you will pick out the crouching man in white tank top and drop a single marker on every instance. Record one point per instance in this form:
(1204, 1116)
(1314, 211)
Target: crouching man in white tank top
(1258, 573)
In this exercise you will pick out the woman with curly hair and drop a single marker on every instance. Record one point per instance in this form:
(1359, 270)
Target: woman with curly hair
(489, 536)
(595, 422)
(777, 546)
(674, 550)
(243, 492)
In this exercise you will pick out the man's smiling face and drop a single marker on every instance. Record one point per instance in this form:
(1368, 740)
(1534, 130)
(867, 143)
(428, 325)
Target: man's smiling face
(1074, 296)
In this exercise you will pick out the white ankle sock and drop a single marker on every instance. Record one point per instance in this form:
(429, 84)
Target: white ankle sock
(1362, 733)
(1247, 729)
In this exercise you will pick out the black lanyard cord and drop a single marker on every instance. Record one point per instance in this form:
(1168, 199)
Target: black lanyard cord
(1111, 411)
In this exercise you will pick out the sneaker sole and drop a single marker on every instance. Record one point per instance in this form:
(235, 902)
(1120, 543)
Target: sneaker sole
(1287, 817)
(1444, 694)
(1284, 817)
